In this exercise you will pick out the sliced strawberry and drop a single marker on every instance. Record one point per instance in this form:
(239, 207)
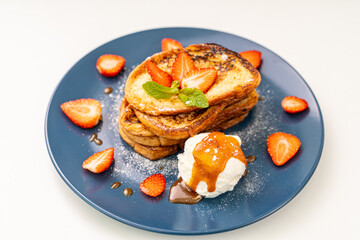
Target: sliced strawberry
(153, 185)
(253, 56)
(183, 64)
(84, 113)
(293, 104)
(282, 147)
(99, 161)
(168, 44)
(110, 65)
(201, 79)
(157, 75)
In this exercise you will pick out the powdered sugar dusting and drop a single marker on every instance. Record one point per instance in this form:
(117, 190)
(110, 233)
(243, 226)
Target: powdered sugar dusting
(251, 185)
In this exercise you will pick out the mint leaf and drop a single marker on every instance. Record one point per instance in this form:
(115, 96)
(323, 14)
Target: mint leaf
(193, 97)
(175, 84)
(158, 91)
(190, 96)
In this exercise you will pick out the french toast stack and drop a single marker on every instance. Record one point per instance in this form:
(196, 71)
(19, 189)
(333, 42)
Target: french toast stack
(156, 128)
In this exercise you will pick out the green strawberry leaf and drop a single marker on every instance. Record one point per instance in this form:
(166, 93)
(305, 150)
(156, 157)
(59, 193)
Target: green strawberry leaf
(158, 91)
(193, 97)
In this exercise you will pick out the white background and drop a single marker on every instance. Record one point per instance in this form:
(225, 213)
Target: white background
(41, 40)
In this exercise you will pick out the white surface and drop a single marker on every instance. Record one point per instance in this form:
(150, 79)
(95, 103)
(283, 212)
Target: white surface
(41, 40)
(226, 180)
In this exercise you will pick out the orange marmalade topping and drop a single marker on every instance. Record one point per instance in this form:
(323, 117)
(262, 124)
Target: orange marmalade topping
(211, 156)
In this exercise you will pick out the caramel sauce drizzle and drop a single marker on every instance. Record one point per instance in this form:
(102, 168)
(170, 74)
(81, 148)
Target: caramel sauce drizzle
(211, 156)
(181, 193)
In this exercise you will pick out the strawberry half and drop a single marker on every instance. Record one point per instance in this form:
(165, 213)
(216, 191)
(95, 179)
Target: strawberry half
(99, 161)
(110, 65)
(153, 185)
(157, 75)
(293, 104)
(168, 44)
(84, 113)
(182, 65)
(201, 79)
(282, 147)
(253, 56)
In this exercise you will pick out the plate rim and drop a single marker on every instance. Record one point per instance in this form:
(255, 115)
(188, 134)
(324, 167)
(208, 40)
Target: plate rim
(178, 232)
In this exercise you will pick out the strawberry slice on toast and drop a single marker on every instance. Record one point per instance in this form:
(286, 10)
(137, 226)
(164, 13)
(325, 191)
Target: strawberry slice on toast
(201, 79)
(157, 75)
(182, 65)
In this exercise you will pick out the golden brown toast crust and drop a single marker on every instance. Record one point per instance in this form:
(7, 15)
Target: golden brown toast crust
(152, 153)
(181, 126)
(236, 79)
(137, 131)
(129, 121)
(236, 109)
(228, 123)
(154, 141)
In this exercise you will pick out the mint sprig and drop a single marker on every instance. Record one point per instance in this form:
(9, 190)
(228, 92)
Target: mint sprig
(190, 96)
(158, 91)
(193, 97)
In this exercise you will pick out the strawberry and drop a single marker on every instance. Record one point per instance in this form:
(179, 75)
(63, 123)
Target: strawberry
(168, 44)
(84, 113)
(282, 147)
(110, 65)
(99, 161)
(157, 75)
(293, 104)
(201, 79)
(153, 185)
(253, 56)
(183, 64)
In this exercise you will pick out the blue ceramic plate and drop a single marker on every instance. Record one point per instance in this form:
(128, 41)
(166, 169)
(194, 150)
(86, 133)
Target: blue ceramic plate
(264, 190)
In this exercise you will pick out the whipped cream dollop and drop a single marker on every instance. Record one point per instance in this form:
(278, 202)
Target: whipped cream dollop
(226, 180)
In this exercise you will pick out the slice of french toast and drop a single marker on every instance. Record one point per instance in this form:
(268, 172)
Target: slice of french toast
(137, 131)
(181, 126)
(154, 141)
(236, 78)
(236, 109)
(152, 153)
(228, 123)
(129, 121)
